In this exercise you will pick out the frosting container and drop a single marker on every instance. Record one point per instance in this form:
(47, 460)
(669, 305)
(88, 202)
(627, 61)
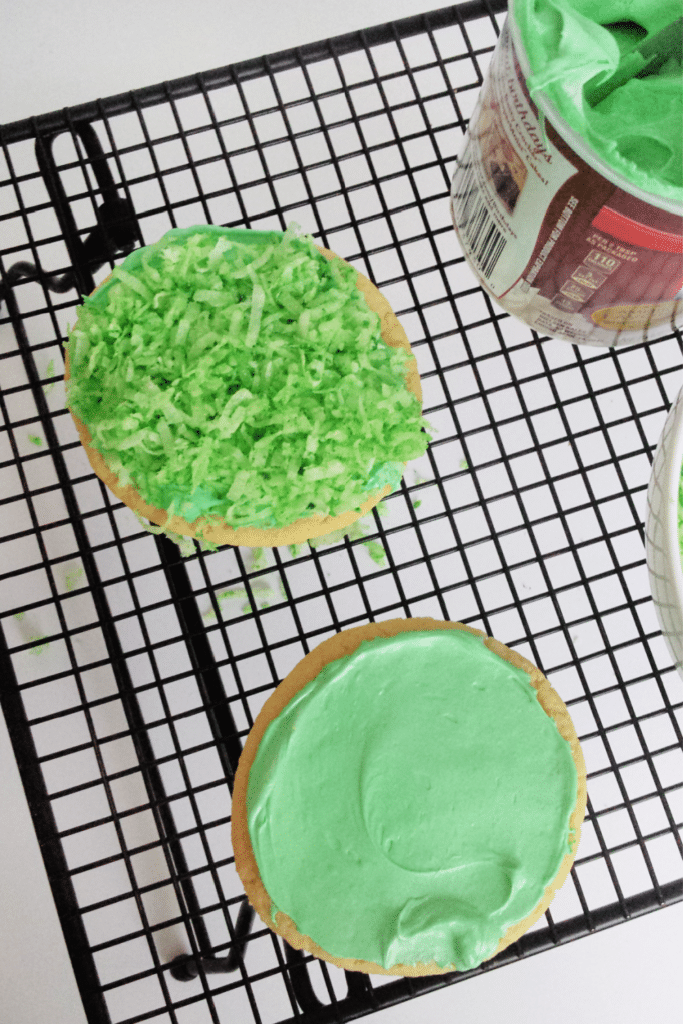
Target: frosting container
(571, 216)
(664, 531)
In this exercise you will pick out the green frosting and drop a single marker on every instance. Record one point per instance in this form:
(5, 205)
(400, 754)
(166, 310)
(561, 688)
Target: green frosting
(412, 802)
(239, 374)
(637, 130)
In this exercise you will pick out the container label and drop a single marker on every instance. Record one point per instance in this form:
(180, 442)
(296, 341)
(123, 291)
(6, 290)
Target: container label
(506, 178)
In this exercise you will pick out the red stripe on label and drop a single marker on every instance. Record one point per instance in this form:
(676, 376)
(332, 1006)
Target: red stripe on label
(627, 230)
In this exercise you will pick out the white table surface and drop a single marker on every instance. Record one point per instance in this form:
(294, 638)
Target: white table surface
(55, 55)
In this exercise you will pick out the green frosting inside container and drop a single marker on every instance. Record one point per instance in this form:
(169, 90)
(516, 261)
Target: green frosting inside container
(239, 374)
(638, 129)
(412, 802)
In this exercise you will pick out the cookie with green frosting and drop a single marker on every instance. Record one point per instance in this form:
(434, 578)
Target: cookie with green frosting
(243, 387)
(409, 799)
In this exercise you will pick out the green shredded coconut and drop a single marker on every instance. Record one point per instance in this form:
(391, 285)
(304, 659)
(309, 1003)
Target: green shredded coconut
(416, 504)
(464, 464)
(35, 639)
(266, 589)
(205, 545)
(258, 559)
(376, 552)
(186, 544)
(49, 372)
(34, 439)
(222, 598)
(356, 531)
(71, 579)
(240, 375)
(265, 594)
(40, 648)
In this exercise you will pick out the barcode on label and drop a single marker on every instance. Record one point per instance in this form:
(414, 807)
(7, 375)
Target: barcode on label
(465, 197)
(475, 224)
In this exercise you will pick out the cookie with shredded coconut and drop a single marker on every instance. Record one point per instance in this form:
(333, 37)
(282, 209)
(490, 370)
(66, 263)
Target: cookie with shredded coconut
(244, 387)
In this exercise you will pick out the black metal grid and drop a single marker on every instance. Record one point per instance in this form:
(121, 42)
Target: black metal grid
(131, 673)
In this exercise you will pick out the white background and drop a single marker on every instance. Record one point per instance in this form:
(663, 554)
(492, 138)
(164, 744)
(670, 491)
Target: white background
(55, 55)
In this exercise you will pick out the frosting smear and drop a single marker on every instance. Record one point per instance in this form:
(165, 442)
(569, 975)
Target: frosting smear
(636, 129)
(412, 802)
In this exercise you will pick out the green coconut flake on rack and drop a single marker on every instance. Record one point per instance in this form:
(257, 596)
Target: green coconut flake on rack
(38, 648)
(186, 544)
(240, 375)
(376, 552)
(49, 372)
(73, 576)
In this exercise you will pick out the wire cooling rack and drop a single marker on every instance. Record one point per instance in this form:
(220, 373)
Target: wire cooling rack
(132, 671)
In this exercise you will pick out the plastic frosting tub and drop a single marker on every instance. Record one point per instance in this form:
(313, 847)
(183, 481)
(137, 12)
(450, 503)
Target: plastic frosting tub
(571, 215)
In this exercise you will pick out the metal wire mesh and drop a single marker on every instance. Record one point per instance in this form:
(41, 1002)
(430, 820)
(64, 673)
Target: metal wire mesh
(132, 671)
